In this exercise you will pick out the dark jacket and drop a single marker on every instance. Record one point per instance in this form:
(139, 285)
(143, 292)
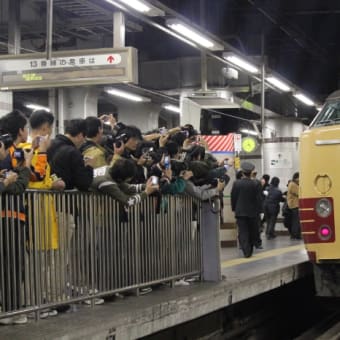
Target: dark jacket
(67, 162)
(272, 201)
(246, 197)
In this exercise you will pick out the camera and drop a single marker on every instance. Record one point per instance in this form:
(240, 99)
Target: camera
(163, 130)
(7, 140)
(146, 152)
(121, 139)
(224, 178)
(189, 130)
(185, 133)
(217, 174)
(19, 155)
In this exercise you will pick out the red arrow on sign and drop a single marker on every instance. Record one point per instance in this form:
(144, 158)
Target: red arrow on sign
(110, 59)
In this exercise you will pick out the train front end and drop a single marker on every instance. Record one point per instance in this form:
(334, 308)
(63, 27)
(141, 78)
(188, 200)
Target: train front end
(320, 196)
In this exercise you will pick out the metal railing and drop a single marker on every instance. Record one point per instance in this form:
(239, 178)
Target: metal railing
(76, 246)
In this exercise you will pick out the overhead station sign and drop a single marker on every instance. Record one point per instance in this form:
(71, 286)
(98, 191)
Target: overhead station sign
(71, 68)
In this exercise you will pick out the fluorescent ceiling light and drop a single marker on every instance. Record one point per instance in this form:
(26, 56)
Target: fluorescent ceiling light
(138, 5)
(135, 4)
(37, 107)
(249, 132)
(115, 3)
(278, 84)
(304, 99)
(172, 108)
(243, 64)
(191, 34)
(127, 95)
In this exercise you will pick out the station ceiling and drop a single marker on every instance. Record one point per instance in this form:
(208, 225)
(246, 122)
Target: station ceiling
(301, 37)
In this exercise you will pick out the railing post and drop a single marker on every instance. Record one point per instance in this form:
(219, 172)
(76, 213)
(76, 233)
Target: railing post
(210, 240)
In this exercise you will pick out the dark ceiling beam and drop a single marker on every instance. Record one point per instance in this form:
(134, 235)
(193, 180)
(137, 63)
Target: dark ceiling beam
(311, 12)
(298, 37)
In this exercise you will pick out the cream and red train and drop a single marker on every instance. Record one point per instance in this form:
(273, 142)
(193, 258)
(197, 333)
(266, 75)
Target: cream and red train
(320, 195)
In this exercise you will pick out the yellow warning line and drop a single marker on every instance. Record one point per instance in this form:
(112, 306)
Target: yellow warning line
(259, 256)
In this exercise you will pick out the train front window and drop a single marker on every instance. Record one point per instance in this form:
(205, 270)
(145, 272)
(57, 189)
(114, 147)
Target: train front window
(329, 115)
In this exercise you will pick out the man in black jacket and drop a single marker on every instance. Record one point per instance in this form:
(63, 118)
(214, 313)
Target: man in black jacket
(246, 204)
(66, 160)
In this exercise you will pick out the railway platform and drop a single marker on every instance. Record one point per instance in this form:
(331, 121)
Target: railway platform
(281, 262)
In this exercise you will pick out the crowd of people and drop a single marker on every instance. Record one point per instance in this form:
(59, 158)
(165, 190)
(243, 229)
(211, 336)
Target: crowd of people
(95, 154)
(256, 203)
(99, 154)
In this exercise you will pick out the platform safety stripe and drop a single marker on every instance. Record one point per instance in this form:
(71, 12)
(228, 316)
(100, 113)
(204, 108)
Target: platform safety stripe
(263, 255)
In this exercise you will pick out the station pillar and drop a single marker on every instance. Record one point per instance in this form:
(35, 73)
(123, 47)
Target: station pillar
(81, 102)
(6, 102)
(190, 112)
(210, 240)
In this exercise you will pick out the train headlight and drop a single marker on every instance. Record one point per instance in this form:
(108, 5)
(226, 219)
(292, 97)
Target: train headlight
(323, 207)
(325, 232)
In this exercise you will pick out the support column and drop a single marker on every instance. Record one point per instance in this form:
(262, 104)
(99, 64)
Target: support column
(210, 233)
(49, 29)
(118, 29)
(81, 102)
(53, 106)
(61, 110)
(263, 75)
(14, 45)
(14, 33)
(6, 102)
(190, 112)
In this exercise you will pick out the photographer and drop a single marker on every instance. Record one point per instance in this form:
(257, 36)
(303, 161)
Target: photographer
(41, 123)
(8, 179)
(15, 124)
(116, 180)
(13, 212)
(126, 142)
(92, 148)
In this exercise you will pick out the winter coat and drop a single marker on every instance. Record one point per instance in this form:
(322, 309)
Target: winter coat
(67, 162)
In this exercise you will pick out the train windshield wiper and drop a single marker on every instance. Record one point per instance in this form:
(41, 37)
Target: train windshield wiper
(328, 122)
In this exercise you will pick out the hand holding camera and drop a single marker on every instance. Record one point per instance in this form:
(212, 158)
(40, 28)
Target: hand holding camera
(163, 139)
(151, 185)
(8, 176)
(25, 158)
(108, 119)
(41, 142)
(186, 174)
(118, 148)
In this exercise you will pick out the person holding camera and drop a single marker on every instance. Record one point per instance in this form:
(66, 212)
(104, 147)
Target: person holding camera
(7, 177)
(13, 160)
(116, 183)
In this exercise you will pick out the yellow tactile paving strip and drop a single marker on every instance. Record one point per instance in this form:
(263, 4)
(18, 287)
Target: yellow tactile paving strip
(262, 255)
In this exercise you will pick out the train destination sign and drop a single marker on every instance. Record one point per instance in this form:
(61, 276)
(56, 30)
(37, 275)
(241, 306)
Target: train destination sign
(69, 68)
